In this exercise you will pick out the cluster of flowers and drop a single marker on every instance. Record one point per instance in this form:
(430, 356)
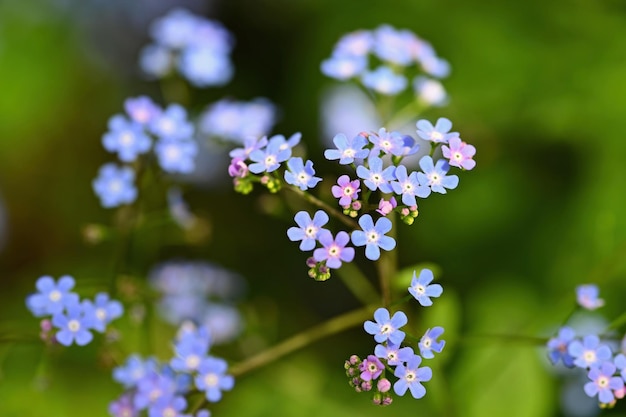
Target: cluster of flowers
(394, 52)
(197, 47)
(160, 388)
(73, 319)
(131, 135)
(605, 368)
(368, 153)
(201, 292)
(390, 355)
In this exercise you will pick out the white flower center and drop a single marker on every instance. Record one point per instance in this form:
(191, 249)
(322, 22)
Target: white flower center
(427, 342)
(348, 191)
(372, 237)
(169, 412)
(73, 325)
(192, 361)
(436, 136)
(348, 153)
(101, 314)
(211, 380)
(270, 160)
(409, 376)
(603, 382)
(126, 138)
(419, 289)
(55, 295)
(589, 356)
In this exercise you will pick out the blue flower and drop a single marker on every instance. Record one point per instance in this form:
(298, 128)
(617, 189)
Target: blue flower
(203, 66)
(133, 370)
(127, 138)
(430, 92)
(190, 351)
(115, 185)
(429, 343)
(590, 352)
(155, 61)
(375, 177)
(409, 186)
(373, 236)
(52, 297)
(301, 175)
(395, 46)
(384, 81)
(603, 382)
(393, 353)
(386, 328)
(344, 67)
(176, 155)
(269, 160)
(141, 109)
(176, 29)
(102, 311)
(587, 297)
(309, 229)
(123, 406)
(172, 123)
(421, 290)
(250, 145)
(347, 150)
(168, 406)
(411, 377)
(154, 386)
(438, 133)
(388, 142)
(74, 326)
(212, 378)
(238, 121)
(557, 347)
(435, 175)
(334, 251)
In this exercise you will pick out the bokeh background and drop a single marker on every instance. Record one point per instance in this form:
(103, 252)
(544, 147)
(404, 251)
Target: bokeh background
(538, 87)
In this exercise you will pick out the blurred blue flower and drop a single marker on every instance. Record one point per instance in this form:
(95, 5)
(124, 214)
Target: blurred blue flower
(589, 352)
(127, 138)
(212, 378)
(603, 382)
(203, 66)
(172, 123)
(384, 80)
(239, 121)
(343, 67)
(114, 185)
(74, 326)
(102, 311)
(587, 296)
(53, 297)
(176, 155)
(557, 347)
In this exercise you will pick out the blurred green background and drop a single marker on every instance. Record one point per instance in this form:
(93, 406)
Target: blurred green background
(538, 87)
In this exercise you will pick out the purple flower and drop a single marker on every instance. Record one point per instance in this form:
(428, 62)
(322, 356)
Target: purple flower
(127, 138)
(393, 353)
(309, 229)
(375, 177)
(384, 81)
(102, 311)
(590, 352)
(301, 174)
(385, 207)
(386, 328)
(411, 377)
(347, 150)
(114, 185)
(123, 407)
(212, 378)
(52, 297)
(345, 190)
(587, 297)
(74, 326)
(429, 343)
(409, 186)
(459, 153)
(373, 236)
(438, 133)
(371, 368)
(421, 290)
(435, 175)
(557, 347)
(334, 251)
(603, 382)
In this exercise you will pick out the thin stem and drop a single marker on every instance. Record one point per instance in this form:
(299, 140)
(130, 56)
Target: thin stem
(615, 324)
(358, 284)
(305, 338)
(319, 203)
(387, 266)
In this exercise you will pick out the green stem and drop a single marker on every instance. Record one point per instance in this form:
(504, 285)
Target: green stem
(358, 284)
(319, 203)
(408, 112)
(615, 324)
(387, 266)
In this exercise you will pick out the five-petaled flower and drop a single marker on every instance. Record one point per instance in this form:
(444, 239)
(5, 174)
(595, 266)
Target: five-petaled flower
(422, 289)
(373, 236)
(386, 328)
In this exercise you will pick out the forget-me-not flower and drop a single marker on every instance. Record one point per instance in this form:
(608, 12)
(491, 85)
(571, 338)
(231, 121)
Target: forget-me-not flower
(587, 297)
(270, 158)
(102, 311)
(435, 175)
(459, 153)
(603, 382)
(126, 138)
(344, 67)
(308, 230)
(429, 343)
(557, 347)
(373, 236)
(375, 177)
(347, 149)
(301, 174)
(408, 186)
(384, 81)
(439, 133)
(53, 296)
(74, 326)
(176, 155)
(333, 251)
(411, 377)
(212, 378)
(346, 191)
(387, 328)
(114, 185)
(422, 289)
(172, 123)
(590, 352)
(393, 353)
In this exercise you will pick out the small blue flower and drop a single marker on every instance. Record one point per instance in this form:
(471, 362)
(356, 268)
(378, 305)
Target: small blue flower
(384, 81)
(557, 347)
(155, 61)
(429, 343)
(153, 387)
(435, 175)
(590, 352)
(123, 406)
(409, 186)
(168, 406)
(393, 353)
(172, 123)
(334, 251)
(387, 142)
(141, 109)
(176, 155)
(373, 236)
(386, 328)
(190, 351)
(411, 377)
(587, 296)
(102, 311)
(438, 133)
(344, 67)
(250, 145)
(603, 382)
(375, 177)
(212, 378)
(114, 185)
(620, 364)
(127, 138)
(309, 229)
(176, 29)
(133, 370)
(203, 66)
(430, 92)
(238, 121)
(74, 326)
(347, 150)
(270, 158)
(52, 297)
(421, 290)
(395, 46)
(301, 174)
